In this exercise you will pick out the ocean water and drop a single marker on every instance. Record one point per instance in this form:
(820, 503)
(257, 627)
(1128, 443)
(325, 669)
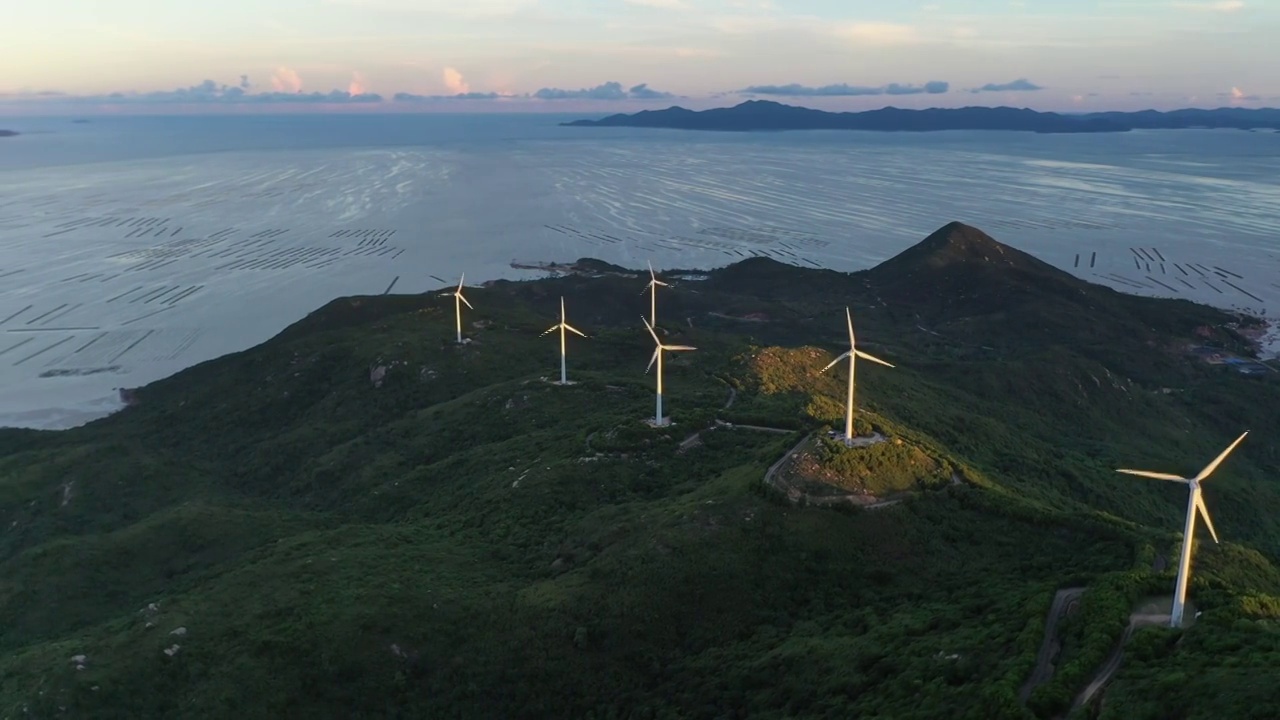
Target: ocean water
(132, 247)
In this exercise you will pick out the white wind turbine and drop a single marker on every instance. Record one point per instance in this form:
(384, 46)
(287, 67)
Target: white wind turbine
(1195, 503)
(658, 419)
(853, 354)
(562, 326)
(652, 288)
(458, 300)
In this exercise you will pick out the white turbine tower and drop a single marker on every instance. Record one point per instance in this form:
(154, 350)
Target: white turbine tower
(1195, 503)
(562, 326)
(853, 354)
(458, 300)
(652, 288)
(658, 419)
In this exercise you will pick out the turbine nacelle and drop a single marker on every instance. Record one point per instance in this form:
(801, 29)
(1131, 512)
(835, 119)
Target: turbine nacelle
(659, 346)
(653, 279)
(860, 354)
(563, 324)
(458, 293)
(853, 351)
(1193, 482)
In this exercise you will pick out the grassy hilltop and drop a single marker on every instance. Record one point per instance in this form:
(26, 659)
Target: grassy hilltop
(275, 534)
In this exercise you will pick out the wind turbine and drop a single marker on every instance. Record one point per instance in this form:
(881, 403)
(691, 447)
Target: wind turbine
(458, 300)
(658, 420)
(1195, 503)
(652, 287)
(853, 354)
(562, 326)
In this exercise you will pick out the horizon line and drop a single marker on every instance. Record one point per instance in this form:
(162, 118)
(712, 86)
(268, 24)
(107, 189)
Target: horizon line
(449, 106)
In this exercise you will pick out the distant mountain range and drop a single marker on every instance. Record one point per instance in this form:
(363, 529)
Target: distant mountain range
(756, 115)
(8, 133)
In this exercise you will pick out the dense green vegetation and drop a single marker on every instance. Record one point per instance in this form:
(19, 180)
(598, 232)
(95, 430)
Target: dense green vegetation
(274, 534)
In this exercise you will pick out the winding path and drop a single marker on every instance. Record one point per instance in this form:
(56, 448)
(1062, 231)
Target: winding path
(733, 396)
(1049, 646)
(1112, 665)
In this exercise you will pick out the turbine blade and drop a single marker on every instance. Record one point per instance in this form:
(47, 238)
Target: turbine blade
(573, 329)
(649, 327)
(461, 280)
(849, 319)
(1218, 460)
(1204, 513)
(561, 308)
(678, 347)
(653, 359)
(464, 301)
(873, 359)
(833, 362)
(1154, 475)
(656, 281)
(551, 329)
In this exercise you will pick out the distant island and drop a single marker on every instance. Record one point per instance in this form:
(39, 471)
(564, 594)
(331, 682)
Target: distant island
(8, 133)
(757, 115)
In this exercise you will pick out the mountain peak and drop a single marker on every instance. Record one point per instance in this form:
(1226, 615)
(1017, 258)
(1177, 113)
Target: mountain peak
(960, 261)
(957, 242)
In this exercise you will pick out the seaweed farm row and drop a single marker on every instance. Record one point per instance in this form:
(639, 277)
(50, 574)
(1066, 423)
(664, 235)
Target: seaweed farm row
(93, 351)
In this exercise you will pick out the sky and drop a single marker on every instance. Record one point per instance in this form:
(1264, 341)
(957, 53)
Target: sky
(87, 56)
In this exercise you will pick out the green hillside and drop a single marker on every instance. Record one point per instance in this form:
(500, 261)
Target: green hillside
(275, 534)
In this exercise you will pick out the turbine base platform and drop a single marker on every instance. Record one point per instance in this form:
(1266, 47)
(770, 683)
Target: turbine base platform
(857, 441)
(557, 382)
(666, 422)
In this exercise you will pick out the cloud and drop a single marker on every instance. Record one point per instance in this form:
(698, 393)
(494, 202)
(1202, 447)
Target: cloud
(356, 86)
(933, 87)
(1019, 85)
(1238, 95)
(605, 91)
(31, 94)
(412, 98)
(454, 82)
(1220, 6)
(286, 80)
(210, 92)
(644, 92)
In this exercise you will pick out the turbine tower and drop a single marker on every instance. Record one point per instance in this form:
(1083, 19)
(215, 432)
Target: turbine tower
(562, 326)
(1195, 503)
(853, 354)
(652, 287)
(458, 300)
(658, 420)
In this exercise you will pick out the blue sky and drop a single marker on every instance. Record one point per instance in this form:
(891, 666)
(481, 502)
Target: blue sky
(626, 54)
